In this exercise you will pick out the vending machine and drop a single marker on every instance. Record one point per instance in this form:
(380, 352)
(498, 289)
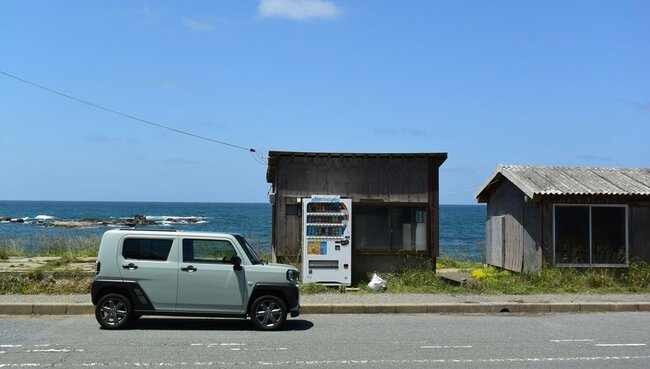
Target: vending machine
(327, 240)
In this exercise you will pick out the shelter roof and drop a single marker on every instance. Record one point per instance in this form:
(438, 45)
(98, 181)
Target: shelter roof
(537, 181)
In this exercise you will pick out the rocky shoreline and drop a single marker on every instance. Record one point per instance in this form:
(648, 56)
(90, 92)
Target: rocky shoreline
(137, 220)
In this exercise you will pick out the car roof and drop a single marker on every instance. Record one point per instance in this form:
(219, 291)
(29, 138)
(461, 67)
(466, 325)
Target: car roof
(170, 231)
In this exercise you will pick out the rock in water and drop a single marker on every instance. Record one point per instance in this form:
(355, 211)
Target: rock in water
(142, 220)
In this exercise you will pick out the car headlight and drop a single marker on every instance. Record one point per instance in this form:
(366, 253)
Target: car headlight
(293, 275)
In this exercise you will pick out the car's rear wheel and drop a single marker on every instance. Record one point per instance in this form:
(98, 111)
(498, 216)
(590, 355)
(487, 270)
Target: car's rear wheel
(113, 311)
(268, 312)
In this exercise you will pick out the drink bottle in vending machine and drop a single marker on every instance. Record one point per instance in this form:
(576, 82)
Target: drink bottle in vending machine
(327, 240)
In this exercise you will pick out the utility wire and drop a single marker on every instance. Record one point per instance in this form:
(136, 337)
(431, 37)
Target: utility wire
(252, 150)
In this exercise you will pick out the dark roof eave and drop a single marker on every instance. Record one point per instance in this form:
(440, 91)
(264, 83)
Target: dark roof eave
(274, 155)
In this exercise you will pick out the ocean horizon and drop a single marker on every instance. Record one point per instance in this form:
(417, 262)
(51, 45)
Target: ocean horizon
(462, 227)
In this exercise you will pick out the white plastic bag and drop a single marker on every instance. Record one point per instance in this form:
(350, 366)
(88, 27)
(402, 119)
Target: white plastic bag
(376, 283)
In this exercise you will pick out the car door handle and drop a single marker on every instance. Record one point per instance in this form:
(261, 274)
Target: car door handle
(189, 269)
(130, 266)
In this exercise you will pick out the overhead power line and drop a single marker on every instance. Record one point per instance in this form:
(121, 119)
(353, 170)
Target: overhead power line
(252, 150)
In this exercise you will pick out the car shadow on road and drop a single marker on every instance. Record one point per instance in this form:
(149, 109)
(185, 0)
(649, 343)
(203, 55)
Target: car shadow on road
(209, 324)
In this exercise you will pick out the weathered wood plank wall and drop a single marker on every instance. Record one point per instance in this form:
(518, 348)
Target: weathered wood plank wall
(532, 237)
(640, 231)
(507, 201)
(289, 226)
(390, 180)
(495, 240)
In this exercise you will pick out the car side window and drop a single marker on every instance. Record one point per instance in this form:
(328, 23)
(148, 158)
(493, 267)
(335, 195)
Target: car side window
(146, 249)
(207, 251)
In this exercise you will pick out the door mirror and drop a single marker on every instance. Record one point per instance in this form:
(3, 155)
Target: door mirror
(236, 261)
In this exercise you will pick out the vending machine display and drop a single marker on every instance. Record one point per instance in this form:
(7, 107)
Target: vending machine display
(327, 232)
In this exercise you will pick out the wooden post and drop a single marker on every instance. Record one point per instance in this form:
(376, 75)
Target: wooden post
(433, 206)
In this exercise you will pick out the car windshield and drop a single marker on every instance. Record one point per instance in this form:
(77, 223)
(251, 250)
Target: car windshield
(252, 256)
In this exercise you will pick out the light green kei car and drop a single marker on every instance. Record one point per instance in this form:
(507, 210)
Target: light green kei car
(169, 272)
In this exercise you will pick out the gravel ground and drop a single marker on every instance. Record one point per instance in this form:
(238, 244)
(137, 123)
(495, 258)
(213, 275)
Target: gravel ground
(384, 298)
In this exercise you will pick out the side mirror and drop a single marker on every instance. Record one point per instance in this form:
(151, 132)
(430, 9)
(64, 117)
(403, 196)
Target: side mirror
(236, 261)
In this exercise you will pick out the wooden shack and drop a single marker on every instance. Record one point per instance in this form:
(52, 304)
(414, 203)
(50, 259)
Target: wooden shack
(566, 216)
(395, 208)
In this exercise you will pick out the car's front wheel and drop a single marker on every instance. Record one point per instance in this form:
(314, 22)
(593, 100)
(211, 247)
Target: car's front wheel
(113, 311)
(268, 312)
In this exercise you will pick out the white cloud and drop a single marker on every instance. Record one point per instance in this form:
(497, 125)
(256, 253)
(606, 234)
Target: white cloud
(196, 25)
(298, 9)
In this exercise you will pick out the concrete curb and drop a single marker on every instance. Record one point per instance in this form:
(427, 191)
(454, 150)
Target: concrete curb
(46, 309)
(442, 308)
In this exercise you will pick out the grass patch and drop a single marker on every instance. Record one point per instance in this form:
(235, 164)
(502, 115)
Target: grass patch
(495, 281)
(444, 263)
(634, 279)
(314, 288)
(45, 245)
(413, 280)
(57, 263)
(491, 280)
(39, 283)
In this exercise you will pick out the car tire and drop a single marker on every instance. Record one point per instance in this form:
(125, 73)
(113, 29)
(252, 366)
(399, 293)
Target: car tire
(113, 311)
(268, 313)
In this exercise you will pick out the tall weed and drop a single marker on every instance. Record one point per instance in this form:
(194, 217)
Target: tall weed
(46, 245)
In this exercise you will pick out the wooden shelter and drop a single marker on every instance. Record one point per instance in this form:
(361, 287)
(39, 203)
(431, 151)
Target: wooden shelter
(395, 208)
(566, 216)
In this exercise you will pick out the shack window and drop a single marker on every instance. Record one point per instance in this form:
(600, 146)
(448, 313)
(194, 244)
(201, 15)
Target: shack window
(590, 235)
(371, 227)
(390, 228)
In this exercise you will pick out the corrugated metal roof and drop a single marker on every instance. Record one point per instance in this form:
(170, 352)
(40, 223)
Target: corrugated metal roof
(536, 181)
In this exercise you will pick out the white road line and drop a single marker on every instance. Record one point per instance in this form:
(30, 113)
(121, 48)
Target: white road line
(57, 350)
(11, 345)
(260, 349)
(370, 362)
(619, 344)
(43, 345)
(218, 344)
(3, 352)
(444, 347)
(579, 340)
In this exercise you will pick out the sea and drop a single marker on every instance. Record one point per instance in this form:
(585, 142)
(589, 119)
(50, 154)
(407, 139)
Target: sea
(462, 227)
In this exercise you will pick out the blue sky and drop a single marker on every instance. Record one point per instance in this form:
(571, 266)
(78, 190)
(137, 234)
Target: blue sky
(488, 82)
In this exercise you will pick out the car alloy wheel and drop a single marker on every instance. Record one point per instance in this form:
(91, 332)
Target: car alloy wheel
(268, 313)
(113, 311)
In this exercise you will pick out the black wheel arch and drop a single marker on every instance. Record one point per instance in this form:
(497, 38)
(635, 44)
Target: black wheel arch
(286, 292)
(129, 289)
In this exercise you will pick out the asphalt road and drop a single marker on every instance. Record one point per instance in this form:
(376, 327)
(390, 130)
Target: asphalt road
(602, 340)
